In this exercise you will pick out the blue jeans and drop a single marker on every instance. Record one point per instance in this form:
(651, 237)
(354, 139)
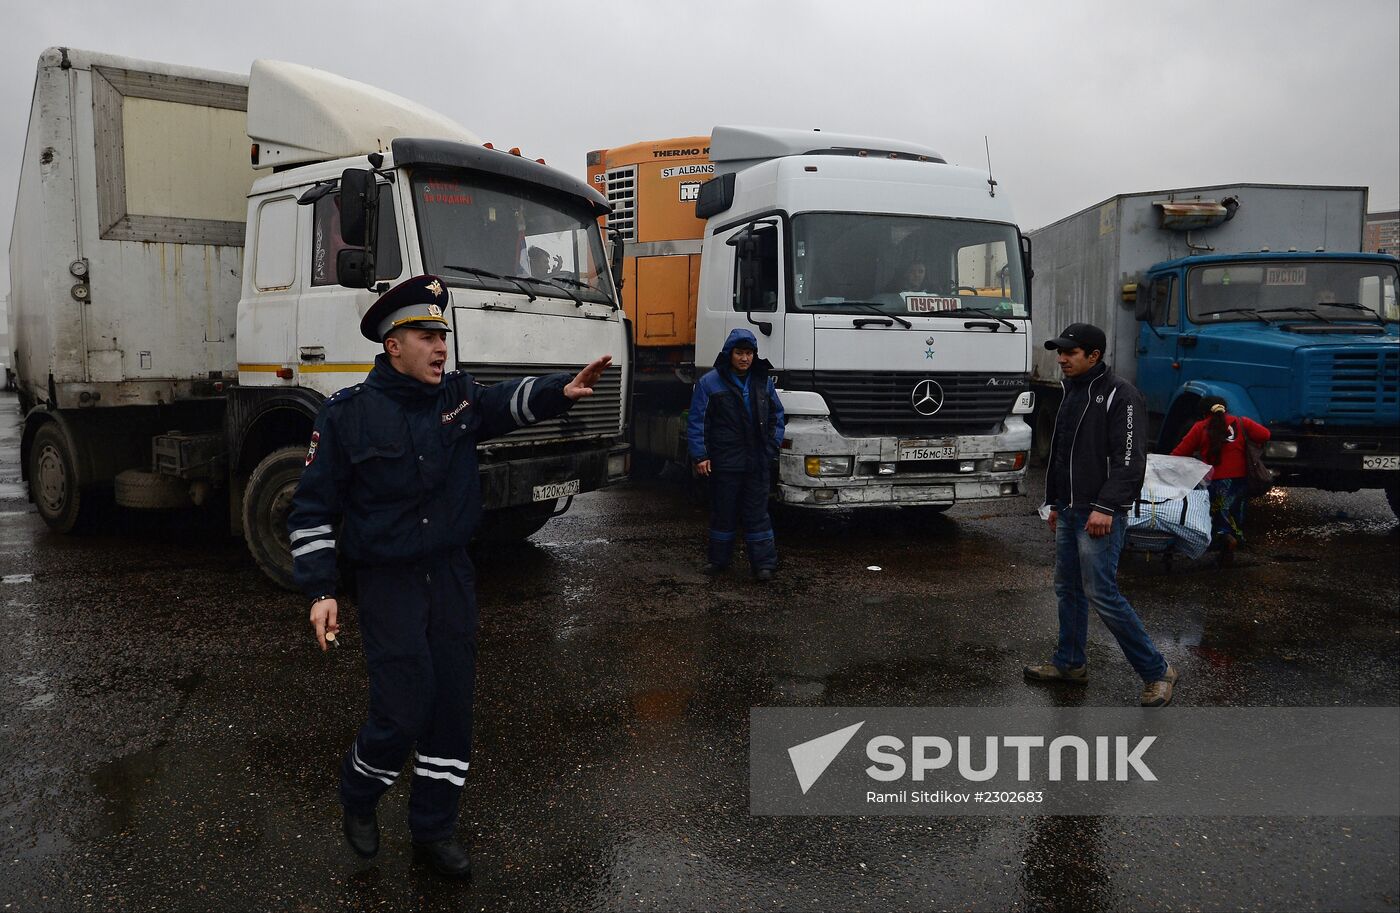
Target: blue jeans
(1086, 571)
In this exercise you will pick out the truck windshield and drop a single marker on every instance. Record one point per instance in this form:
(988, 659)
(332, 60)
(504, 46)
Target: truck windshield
(1292, 290)
(906, 265)
(480, 231)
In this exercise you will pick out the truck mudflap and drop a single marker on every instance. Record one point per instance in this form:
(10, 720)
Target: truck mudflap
(943, 471)
(528, 480)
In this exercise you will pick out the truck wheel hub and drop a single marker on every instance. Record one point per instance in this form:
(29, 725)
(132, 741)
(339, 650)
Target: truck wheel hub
(52, 478)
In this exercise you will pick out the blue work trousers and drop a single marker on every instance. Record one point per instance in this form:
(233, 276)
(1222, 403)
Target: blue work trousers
(1086, 573)
(419, 624)
(739, 500)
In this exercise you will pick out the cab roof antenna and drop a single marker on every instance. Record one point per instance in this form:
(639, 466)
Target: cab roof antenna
(991, 184)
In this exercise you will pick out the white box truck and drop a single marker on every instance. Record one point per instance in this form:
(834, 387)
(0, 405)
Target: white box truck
(186, 286)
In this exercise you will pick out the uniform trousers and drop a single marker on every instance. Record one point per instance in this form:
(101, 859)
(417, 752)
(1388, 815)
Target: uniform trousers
(740, 500)
(419, 625)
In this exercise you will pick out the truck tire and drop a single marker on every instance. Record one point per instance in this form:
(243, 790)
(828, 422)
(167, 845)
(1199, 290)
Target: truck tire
(1392, 494)
(266, 503)
(54, 485)
(514, 524)
(143, 490)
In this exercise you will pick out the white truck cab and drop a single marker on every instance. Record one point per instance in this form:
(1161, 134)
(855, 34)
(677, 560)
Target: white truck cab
(161, 309)
(889, 290)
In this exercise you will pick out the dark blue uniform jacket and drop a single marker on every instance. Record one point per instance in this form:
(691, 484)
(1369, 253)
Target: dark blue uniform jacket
(393, 463)
(734, 436)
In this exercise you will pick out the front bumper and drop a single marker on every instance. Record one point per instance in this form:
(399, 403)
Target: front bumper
(940, 482)
(512, 482)
(1334, 460)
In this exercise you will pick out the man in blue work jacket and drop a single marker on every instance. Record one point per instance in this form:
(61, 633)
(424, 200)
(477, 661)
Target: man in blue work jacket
(734, 432)
(393, 464)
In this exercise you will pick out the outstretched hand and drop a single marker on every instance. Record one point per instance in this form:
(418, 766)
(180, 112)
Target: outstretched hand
(582, 384)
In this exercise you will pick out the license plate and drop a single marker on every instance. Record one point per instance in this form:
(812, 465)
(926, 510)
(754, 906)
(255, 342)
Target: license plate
(926, 450)
(556, 490)
(1380, 462)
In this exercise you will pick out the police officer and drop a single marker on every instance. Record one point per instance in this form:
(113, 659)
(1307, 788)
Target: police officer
(391, 482)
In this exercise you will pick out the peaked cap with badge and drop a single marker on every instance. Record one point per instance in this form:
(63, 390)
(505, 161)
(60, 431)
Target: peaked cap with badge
(416, 302)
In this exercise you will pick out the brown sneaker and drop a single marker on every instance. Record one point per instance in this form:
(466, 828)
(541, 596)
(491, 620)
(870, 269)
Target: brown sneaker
(1049, 672)
(1159, 693)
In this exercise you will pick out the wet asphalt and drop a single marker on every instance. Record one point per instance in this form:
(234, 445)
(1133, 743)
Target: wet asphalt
(169, 734)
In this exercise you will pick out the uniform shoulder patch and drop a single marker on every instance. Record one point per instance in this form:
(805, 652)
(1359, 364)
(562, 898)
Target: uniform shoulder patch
(343, 394)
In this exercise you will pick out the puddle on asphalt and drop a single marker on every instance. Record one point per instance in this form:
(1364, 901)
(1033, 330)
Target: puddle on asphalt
(575, 543)
(122, 781)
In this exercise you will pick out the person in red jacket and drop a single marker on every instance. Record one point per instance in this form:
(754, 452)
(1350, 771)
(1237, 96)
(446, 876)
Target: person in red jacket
(1219, 439)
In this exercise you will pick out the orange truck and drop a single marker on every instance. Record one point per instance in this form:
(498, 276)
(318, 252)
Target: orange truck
(652, 188)
(887, 287)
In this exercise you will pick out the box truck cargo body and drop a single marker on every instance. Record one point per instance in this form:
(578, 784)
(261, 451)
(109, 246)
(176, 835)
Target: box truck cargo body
(1256, 293)
(177, 318)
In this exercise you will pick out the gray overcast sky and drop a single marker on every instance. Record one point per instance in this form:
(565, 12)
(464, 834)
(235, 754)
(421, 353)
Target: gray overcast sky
(1080, 100)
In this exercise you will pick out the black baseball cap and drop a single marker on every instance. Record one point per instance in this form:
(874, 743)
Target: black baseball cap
(1084, 336)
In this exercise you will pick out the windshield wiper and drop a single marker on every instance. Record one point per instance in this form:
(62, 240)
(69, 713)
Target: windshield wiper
(1297, 310)
(578, 301)
(487, 274)
(984, 312)
(572, 281)
(1353, 306)
(1248, 312)
(873, 307)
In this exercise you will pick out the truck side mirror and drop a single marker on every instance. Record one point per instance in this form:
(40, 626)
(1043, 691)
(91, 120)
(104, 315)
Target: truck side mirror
(615, 264)
(359, 195)
(1026, 268)
(1142, 304)
(748, 254)
(354, 268)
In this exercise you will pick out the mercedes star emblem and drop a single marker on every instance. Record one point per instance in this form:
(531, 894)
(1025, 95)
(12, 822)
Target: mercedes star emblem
(927, 397)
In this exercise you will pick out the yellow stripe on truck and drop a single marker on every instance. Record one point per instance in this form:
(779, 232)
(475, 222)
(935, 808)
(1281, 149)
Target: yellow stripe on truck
(337, 367)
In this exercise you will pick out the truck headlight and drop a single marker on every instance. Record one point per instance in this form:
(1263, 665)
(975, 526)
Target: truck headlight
(828, 465)
(1285, 450)
(619, 464)
(1025, 404)
(1008, 462)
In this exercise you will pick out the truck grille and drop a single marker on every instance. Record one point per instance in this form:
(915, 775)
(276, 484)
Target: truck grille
(599, 415)
(881, 402)
(622, 196)
(1356, 385)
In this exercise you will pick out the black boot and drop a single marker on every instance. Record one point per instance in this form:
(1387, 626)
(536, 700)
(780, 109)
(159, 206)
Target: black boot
(361, 833)
(447, 857)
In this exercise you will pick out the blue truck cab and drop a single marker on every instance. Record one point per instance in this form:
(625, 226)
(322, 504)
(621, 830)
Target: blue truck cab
(1307, 344)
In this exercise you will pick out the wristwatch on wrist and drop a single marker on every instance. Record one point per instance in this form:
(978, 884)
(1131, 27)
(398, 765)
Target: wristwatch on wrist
(319, 599)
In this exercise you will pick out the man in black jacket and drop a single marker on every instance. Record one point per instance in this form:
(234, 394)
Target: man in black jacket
(1096, 467)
